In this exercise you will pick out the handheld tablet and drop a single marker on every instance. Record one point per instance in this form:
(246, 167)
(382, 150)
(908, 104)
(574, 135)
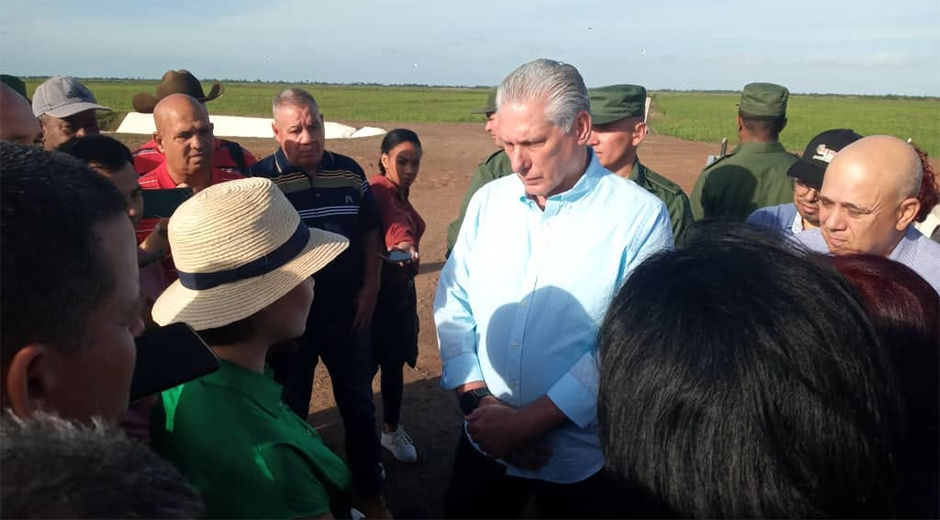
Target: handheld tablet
(162, 203)
(167, 357)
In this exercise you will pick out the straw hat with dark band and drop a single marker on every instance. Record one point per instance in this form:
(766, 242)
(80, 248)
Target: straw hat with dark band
(239, 246)
(176, 82)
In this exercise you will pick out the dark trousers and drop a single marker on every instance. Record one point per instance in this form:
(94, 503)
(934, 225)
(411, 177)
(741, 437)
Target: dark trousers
(480, 488)
(348, 357)
(394, 341)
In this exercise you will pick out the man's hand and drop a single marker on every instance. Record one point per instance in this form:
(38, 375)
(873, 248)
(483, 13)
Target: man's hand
(365, 307)
(530, 456)
(498, 428)
(156, 245)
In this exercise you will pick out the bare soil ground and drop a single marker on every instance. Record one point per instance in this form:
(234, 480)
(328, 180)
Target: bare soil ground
(430, 414)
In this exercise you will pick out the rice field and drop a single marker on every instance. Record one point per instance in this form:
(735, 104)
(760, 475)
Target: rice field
(696, 116)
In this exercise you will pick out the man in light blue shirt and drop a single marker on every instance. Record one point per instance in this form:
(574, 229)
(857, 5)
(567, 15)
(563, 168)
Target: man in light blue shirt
(539, 256)
(868, 203)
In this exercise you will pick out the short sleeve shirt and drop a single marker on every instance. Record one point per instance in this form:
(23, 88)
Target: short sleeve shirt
(246, 452)
(336, 198)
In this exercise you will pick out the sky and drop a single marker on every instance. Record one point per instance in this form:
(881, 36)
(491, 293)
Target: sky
(823, 46)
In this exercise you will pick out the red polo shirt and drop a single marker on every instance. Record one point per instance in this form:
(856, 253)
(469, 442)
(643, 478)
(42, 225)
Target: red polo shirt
(400, 220)
(148, 157)
(159, 179)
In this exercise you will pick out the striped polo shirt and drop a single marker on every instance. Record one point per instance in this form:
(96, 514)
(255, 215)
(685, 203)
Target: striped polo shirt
(336, 198)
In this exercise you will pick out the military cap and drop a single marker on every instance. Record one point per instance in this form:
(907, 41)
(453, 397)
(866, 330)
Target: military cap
(764, 99)
(15, 83)
(490, 105)
(615, 102)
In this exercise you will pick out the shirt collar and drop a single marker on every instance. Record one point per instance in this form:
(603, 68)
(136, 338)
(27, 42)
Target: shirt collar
(166, 182)
(584, 186)
(772, 147)
(282, 165)
(638, 173)
(905, 251)
(260, 388)
(797, 226)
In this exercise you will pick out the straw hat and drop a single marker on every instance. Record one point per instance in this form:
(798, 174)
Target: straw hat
(238, 247)
(176, 82)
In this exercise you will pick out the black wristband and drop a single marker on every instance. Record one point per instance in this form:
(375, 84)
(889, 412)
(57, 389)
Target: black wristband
(470, 399)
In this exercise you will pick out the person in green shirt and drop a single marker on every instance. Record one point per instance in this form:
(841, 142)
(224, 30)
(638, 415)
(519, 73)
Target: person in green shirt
(618, 113)
(245, 260)
(493, 167)
(754, 175)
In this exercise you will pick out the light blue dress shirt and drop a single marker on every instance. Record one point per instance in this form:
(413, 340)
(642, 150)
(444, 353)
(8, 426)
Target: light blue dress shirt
(914, 250)
(520, 301)
(784, 219)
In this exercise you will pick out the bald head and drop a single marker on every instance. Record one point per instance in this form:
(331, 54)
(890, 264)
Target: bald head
(184, 135)
(868, 197)
(881, 160)
(17, 122)
(175, 106)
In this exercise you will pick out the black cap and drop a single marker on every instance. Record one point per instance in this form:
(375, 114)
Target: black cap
(819, 153)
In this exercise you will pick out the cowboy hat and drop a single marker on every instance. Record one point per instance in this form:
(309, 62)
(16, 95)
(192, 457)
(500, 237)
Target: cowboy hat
(238, 247)
(176, 82)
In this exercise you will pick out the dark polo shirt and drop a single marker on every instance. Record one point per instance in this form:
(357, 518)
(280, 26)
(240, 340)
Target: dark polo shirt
(337, 198)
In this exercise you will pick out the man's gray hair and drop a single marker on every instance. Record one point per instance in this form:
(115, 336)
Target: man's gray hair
(912, 179)
(53, 468)
(295, 97)
(559, 84)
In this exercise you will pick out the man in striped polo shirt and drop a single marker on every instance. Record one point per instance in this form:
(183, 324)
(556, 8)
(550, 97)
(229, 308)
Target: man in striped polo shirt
(184, 135)
(330, 191)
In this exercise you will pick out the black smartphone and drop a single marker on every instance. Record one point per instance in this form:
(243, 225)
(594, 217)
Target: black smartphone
(162, 203)
(395, 256)
(170, 356)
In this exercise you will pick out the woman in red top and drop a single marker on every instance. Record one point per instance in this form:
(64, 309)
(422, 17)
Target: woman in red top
(395, 322)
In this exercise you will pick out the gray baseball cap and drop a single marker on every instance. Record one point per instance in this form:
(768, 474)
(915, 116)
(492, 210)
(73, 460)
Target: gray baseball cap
(63, 96)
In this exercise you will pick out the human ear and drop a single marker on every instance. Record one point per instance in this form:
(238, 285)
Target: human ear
(158, 140)
(582, 125)
(907, 211)
(639, 133)
(28, 380)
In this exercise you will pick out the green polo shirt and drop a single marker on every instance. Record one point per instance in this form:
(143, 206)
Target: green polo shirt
(753, 176)
(493, 167)
(677, 203)
(248, 454)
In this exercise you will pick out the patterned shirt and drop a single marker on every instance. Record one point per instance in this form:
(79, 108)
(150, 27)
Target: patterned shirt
(336, 198)
(914, 250)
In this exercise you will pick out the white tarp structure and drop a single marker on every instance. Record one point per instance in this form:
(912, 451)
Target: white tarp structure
(237, 126)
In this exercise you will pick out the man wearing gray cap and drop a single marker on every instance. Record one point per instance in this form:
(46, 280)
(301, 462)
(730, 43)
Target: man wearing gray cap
(618, 113)
(754, 175)
(65, 109)
(493, 167)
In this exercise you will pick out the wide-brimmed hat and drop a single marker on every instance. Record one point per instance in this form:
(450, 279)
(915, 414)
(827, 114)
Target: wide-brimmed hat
(238, 247)
(176, 82)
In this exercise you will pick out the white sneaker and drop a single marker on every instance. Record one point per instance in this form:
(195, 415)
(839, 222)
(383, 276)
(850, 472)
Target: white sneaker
(400, 444)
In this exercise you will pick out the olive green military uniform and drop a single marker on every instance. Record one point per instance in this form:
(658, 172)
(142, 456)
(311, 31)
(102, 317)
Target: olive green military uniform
(493, 167)
(752, 176)
(677, 203)
(615, 102)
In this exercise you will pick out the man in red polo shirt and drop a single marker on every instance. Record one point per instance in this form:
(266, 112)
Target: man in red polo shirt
(229, 155)
(184, 135)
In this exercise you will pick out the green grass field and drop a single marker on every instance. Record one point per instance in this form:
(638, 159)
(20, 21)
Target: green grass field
(709, 117)
(688, 115)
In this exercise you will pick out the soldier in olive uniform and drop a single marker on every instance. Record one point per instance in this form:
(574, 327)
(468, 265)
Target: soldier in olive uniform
(493, 167)
(754, 175)
(618, 113)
